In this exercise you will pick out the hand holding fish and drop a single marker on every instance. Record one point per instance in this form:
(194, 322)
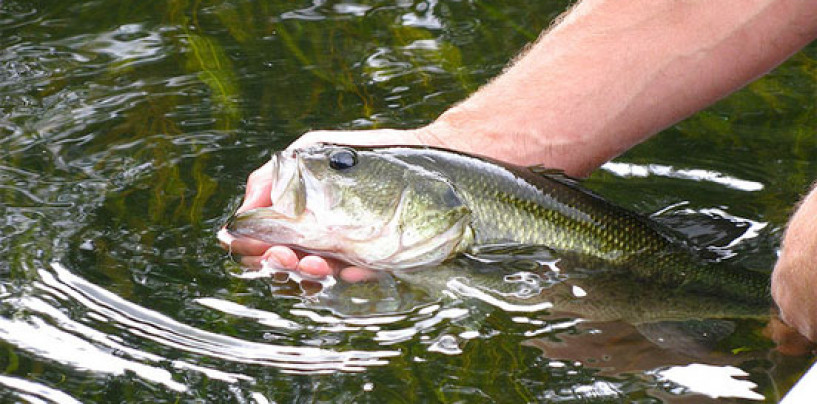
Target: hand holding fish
(259, 187)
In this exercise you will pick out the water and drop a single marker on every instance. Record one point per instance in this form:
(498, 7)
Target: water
(127, 130)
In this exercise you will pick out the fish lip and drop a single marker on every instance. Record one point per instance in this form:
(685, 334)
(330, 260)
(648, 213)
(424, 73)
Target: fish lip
(258, 216)
(253, 214)
(233, 225)
(276, 176)
(287, 169)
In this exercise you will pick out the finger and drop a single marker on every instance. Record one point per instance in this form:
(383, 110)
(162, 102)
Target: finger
(252, 262)
(316, 266)
(281, 257)
(357, 274)
(277, 257)
(246, 246)
(259, 186)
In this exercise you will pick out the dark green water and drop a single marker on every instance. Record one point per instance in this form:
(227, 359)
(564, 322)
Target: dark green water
(127, 130)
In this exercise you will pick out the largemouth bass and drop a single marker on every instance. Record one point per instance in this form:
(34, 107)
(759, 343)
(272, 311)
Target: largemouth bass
(398, 208)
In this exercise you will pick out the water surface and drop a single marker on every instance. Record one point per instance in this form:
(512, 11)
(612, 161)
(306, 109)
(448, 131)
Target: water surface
(127, 130)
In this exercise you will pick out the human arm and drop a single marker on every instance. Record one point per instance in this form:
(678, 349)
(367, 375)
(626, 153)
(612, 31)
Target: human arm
(610, 74)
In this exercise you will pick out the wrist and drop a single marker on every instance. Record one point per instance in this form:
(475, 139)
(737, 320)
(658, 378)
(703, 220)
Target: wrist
(522, 138)
(480, 131)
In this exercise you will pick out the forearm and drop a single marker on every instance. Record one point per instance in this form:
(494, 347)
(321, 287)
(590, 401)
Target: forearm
(612, 73)
(794, 280)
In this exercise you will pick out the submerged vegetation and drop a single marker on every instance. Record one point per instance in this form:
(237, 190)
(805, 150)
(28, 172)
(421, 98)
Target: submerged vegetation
(127, 130)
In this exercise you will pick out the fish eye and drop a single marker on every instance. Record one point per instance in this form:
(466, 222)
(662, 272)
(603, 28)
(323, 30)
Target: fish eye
(342, 159)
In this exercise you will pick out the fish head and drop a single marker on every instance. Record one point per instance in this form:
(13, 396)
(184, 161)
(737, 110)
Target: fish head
(366, 207)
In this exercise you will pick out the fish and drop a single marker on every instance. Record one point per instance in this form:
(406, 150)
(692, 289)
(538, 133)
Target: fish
(403, 208)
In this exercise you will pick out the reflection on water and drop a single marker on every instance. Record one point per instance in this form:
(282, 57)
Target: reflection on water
(42, 329)
(633, 170)
(34, 392)
(712, 381)
(161, 329)
(127, 130)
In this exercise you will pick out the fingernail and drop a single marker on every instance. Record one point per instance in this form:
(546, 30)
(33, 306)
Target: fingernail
(272, 262)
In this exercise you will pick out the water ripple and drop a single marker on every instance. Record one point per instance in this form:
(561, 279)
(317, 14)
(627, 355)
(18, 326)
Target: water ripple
(635, 170)
(15, 14)
(156, 327)
(40, 338)
(34, 392)
(127, 44)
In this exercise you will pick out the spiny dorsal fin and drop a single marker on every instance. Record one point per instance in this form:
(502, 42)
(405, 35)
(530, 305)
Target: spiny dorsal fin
(555, 173)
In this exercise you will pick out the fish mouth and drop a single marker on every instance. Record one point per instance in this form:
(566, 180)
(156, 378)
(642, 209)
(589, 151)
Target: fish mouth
(269, 226)
(240, 223)
(287, 199)
(288, 193)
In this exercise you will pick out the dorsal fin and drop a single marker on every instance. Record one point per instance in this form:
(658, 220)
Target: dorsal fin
(555, 174)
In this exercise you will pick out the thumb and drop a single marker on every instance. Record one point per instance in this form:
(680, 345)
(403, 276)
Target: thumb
(372, 137)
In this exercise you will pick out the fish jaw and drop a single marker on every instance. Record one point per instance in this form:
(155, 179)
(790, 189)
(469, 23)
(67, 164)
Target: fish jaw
(372, 247)
(268, 225)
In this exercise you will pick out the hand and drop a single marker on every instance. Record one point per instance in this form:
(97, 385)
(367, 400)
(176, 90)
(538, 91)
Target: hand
(259, 185)
(794, 279)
